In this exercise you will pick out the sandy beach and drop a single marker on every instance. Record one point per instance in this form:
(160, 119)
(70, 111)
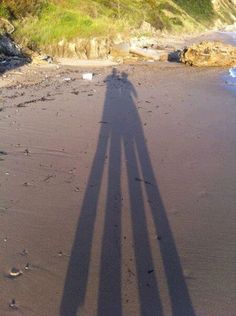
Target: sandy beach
(118, 194)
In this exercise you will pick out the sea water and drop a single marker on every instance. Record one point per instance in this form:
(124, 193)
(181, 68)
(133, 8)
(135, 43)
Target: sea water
(232, 72)
(230, 78)
(230, 37)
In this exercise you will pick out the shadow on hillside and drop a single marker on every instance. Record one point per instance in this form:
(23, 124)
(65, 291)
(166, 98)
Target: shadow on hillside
(121, 131)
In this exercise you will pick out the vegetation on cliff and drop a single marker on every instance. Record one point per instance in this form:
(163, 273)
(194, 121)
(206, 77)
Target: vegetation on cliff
(39, 22)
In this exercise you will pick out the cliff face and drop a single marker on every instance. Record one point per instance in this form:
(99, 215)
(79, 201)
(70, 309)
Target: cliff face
(218, 3)
(225, 10)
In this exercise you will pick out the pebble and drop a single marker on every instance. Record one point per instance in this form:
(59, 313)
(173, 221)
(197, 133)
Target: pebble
(14, 273)
(24, 252)
(27, 266)
(12, 304)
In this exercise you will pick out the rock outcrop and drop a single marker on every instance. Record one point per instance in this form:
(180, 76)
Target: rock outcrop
(209, 54)
(11, 55)
(8, 47)
(94, 48)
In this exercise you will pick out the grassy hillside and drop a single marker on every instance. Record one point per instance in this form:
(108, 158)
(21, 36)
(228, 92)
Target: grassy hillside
(39, 22)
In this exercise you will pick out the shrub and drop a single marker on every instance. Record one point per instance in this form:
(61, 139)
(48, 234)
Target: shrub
(21, 8)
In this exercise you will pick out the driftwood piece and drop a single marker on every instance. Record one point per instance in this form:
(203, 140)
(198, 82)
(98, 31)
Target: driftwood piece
(149, 54)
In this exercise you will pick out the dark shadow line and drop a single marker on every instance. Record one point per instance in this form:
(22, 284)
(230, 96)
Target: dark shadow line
(109, 297)
(180, 299)
(77, 273)
(147, 282)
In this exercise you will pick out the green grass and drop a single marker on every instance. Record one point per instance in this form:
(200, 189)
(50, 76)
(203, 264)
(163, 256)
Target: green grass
(200, 9)
(4, 11)
(56, 23)
(42, 22)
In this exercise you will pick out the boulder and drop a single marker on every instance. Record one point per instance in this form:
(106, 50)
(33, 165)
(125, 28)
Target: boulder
(174, 56)
(209, 54)
(8, 47)
(120, 50)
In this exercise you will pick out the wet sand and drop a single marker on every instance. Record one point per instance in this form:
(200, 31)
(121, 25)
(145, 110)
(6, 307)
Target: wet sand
(119, 192)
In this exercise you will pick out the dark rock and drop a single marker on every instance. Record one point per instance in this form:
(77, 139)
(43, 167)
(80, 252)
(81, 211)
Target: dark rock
(175, 56)
(8, 47)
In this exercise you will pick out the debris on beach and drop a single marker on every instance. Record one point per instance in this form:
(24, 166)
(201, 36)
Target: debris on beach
(2, 210)
(14, 273)
(12, 304)
(87, 76)
(146, 53)
(76, 189)
(3, 152)
(67, 79)
(46, 58)
(142, 180)
(26, 152)
(26, 184)
(62, 254)
(27, 266)
(24, 252)
(48, 177)
(75, 92)
(42, 99)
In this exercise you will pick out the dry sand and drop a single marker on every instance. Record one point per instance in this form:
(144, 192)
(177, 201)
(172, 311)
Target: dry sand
(119, 192)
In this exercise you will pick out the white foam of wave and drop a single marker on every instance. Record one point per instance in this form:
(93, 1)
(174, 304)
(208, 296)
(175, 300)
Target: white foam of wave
(230, 79)
(232, 72)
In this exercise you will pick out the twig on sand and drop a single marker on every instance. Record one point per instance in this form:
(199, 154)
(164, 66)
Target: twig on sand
(42, 99)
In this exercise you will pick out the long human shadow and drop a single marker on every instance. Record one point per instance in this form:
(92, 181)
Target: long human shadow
(122, 128)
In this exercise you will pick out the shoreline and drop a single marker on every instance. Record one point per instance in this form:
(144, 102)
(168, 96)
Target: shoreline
(167, 42)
